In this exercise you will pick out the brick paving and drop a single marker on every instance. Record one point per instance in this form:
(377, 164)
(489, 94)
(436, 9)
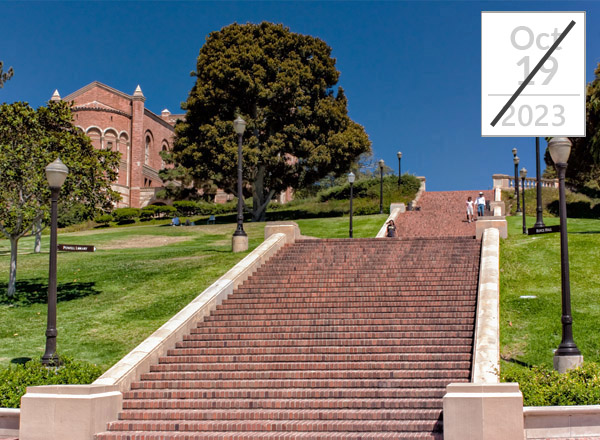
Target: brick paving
(441, 214)
(332, 339)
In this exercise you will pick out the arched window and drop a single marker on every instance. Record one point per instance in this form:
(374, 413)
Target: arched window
(147, 151)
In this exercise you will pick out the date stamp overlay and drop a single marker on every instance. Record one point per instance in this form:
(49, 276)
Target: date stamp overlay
(533, 74)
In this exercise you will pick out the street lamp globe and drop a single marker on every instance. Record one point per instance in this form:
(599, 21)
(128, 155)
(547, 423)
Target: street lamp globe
(516, 160)
(514, 151)
(381, 163)
(351, 177)
(239, 125)
(399, 154)
(560, 149)
(56, 173)
(523, 173)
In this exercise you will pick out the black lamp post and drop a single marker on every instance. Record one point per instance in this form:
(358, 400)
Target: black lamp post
(516, 161)
(381, 164)
(399, 154)
(514, 152)
(56, 173)
(240, 238)
(523, 176)
(351, 178)
(567, 355)
(539, 221)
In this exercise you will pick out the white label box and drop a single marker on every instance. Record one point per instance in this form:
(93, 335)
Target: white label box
(553, 102)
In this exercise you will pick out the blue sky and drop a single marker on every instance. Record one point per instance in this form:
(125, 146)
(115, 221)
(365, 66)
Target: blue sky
(411, 70)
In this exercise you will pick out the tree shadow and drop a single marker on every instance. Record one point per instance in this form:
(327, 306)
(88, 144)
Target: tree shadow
(36, 292)
(516, 361)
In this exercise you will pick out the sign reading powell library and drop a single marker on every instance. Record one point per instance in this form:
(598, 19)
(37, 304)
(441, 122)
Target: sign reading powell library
(76, 248)
(533, 74)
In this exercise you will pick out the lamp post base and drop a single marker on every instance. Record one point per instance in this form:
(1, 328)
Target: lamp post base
(239, 243)
(564, 363)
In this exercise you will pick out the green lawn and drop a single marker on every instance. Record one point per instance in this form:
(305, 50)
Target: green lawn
(530, 329)
(140, 276)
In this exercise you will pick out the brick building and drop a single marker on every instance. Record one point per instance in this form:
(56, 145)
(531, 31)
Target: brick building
(117, 121)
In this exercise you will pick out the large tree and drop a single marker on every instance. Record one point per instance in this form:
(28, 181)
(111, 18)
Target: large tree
(31, 139)
(5, 76)
(282, 84)
(583, 172)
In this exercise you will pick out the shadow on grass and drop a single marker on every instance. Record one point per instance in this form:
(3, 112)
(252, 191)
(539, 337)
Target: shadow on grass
(20, 360)
(36, 292)
(586, 232)
(516, 361)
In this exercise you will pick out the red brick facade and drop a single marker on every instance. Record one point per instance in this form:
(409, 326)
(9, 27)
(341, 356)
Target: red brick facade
(118, 121)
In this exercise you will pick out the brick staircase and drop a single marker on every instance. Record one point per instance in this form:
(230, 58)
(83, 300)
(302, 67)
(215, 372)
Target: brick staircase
(441, 214)
(332, 339)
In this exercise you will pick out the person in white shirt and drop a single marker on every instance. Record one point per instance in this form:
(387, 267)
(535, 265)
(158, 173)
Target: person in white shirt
(469, 209)
(480, 202)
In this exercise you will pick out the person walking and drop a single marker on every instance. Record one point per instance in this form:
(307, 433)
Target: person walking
(469, 209)
(480, 202)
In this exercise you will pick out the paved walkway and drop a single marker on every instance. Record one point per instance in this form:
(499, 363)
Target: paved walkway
(441, 214)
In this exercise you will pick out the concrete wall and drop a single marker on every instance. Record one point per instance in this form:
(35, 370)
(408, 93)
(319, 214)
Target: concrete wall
(9, 422)
(546, 422)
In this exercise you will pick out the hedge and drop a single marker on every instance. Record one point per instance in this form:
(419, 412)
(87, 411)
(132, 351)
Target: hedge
(542, 386)
(15, 379)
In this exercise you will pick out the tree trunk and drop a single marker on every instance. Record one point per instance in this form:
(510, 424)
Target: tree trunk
(38, 237)
(260, 198)
(12, 282)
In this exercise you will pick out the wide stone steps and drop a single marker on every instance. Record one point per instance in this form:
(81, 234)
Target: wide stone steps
(394, 314)
(427, 398)
(304, 373)
(332, 339)
(269, 425)
(215, 323)
(280, 414)
(404, 389)
(403, 353)
(418, 345)
(278, 435)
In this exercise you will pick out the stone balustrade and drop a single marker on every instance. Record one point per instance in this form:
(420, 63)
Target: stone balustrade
(506, 182)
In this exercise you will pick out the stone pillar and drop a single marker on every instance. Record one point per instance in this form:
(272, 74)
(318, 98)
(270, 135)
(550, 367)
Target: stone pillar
(474, 411)
(137, 147)
(68, 412)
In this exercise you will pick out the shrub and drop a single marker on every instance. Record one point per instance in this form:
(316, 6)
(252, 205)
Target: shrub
(15, 379)
(104, 219)
(166, 211)
(542, 386)
(147, 213)
(125, 215)
(72, 214)
(370, 188)
(187, 208)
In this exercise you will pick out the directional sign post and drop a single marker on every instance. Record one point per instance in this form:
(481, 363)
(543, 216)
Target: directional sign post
(543, 230)
(76, 248)
(533, 74)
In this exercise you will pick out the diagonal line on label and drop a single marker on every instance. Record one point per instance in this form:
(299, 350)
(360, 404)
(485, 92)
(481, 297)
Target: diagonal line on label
(533, 72)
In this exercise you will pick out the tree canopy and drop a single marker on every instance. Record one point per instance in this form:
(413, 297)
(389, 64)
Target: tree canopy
(282, 84)
(583, 171)
(5, 76)
(31, 139)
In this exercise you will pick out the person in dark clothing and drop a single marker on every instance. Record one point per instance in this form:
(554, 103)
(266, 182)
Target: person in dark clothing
(391, 229)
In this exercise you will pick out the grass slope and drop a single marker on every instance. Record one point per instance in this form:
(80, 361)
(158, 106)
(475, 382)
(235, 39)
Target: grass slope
(530, 329)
